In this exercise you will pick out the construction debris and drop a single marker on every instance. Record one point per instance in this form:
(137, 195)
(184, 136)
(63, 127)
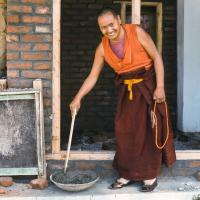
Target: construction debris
(197, 175)
(39, 183)
(6, 181)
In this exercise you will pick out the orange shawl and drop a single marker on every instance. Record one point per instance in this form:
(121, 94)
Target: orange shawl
(135, 56)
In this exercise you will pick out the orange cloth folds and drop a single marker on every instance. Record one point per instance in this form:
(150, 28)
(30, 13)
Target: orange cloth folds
(135, 55)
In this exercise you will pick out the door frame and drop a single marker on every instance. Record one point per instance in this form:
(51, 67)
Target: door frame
(159, 18)
(56, 153)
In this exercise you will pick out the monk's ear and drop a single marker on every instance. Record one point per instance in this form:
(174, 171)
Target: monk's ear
(119, 19)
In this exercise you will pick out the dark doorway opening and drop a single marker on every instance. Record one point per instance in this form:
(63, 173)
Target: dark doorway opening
(80, 36)
(94, 127)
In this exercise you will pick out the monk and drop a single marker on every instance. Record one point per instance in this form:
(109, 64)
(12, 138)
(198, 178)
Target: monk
(144, 138)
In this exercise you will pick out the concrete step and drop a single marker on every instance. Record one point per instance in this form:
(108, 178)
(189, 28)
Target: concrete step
(173, 188)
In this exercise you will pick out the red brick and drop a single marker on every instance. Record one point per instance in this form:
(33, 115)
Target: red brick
(197, 175)
(12, 73)
(195, 164)
(42, 65)
(36, 38)
(6, 181)
(20, 83)
(18, 47)
(41, 47)
(35, 19)
(47, 83)
(19, 65)
(12, 56)
(2, 191)
(47, 102)
(12, 18)
(33, 1)
(39, 183)
(36, 74)
(42, 10)
(47, 92)
(18, 29)
(36, 56)
(43, 29)
(12, 38)
(19, 9)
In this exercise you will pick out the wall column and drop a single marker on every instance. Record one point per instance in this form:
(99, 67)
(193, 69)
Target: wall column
(188, 100)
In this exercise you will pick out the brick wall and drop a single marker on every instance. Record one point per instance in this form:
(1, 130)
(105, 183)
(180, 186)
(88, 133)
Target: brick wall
(29, 48)
(2, 39)
(29, 56)
(80, 36)
(170, 55)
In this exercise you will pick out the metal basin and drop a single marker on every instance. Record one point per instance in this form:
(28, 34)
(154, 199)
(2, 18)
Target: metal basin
(76, 187)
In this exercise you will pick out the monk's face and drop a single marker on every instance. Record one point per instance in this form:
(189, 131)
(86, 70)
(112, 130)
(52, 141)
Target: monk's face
(110, 26)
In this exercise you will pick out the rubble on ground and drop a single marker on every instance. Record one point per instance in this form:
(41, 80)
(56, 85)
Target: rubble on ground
(39, 183)
(6, 181)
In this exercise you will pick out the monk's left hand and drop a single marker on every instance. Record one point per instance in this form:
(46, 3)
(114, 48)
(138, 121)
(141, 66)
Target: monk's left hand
(159, 95)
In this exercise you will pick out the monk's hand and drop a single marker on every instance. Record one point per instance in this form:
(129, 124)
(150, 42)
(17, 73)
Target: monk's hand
(75, 106)
(159, 95)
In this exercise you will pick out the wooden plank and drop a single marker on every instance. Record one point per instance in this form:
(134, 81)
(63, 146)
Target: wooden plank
(56, 78)
(16, 97)
(82, 155)
(109, 155)
(37, 125)
(159, 27)
(37, 84)
(12, 92)
(123, 12)
(18, 171)
(136, 10)
(188, 154)
(150, 3)
(121, 2)
(143, 3)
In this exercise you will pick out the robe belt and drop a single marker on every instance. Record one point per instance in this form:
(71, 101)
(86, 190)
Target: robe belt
(129, 83)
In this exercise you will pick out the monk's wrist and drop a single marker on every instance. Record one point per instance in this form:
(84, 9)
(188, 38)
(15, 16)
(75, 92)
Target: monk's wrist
(160, 87)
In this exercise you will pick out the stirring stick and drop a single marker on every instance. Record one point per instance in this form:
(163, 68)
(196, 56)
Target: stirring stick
(70, 140)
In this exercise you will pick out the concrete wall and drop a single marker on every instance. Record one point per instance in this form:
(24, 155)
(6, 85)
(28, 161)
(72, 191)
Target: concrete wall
(188, 65)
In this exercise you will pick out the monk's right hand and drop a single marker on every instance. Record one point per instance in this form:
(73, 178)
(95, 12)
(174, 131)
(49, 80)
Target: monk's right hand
(75, 106)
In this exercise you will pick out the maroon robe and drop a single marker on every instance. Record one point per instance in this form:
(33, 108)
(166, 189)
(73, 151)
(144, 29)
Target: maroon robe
(137, 157)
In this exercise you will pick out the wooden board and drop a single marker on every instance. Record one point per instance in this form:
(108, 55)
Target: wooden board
(21, 135)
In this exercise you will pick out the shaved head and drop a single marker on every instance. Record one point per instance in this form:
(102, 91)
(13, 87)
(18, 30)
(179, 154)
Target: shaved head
(106, 10)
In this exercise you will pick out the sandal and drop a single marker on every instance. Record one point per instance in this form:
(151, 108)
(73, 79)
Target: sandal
(118, 185)
(149, 188)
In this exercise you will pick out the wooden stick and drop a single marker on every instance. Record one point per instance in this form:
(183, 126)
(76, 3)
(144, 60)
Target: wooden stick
(123, 12)
(70, 140)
